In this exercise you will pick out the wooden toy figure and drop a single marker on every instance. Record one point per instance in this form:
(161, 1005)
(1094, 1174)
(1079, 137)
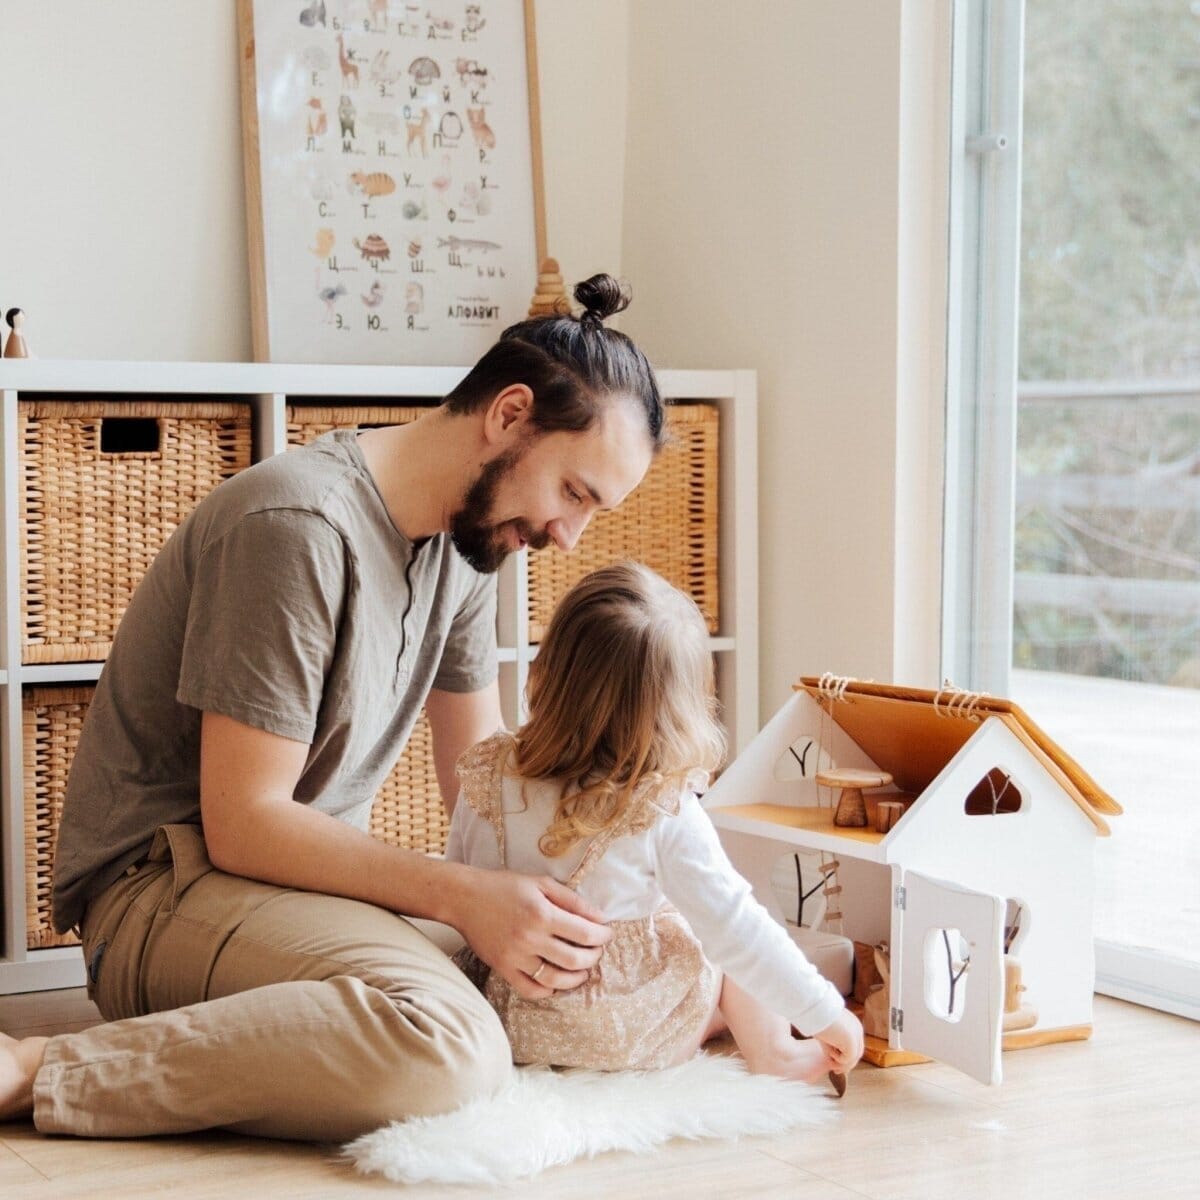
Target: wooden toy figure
(550, 299)
(15, 347)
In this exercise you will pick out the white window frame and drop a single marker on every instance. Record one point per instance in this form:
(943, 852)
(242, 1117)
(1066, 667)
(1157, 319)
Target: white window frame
(983, 290)
(981, 342)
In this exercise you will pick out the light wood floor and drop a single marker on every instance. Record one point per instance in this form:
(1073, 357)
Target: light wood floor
(1114, 1118)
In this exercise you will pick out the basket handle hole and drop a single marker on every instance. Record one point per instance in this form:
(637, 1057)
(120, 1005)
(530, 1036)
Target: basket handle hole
(130, 435)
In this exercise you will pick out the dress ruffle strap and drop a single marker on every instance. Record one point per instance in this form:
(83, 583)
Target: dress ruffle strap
(651, 799)
(480, 773)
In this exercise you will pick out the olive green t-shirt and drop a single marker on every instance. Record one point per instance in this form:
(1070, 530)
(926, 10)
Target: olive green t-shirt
(290, 602)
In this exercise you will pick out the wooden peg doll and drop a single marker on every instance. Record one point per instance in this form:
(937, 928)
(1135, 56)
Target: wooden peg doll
(15, 347)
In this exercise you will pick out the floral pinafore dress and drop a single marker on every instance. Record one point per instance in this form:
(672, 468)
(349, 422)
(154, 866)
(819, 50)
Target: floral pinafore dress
(647, 1000)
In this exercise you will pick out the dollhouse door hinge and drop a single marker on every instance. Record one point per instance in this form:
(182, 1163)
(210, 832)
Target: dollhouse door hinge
(900, 899)
(898, 1020)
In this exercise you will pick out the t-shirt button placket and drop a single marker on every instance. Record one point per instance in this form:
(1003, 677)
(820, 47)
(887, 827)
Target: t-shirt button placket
(403, 670)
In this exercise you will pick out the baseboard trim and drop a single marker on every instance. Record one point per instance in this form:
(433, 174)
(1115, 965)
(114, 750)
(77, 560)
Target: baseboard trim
(1148, 977)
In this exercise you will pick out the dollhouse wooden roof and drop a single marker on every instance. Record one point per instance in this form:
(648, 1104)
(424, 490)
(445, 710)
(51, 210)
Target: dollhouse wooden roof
(913, 733)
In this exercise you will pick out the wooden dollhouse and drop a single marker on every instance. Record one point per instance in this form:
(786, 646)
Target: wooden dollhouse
(945, 827)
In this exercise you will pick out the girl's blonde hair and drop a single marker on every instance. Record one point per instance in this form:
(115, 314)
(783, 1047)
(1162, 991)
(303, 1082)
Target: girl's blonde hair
(621, 693)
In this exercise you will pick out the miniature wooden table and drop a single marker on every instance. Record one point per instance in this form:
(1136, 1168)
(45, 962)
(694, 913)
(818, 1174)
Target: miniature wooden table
(852, 809)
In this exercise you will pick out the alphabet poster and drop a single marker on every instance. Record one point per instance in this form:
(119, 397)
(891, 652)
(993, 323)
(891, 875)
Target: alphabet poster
(390, 154)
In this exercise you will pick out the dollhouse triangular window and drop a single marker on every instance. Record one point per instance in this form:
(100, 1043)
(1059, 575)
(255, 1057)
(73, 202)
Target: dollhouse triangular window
(995, 794)
(802, 760)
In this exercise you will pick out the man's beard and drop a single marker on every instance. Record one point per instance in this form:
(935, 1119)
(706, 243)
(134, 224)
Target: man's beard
(482, 543)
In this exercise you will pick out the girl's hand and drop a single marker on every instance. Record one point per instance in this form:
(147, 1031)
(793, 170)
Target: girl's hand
(843, 1041)
(522, 926)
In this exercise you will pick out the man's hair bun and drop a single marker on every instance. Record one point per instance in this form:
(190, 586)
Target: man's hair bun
(601, 297)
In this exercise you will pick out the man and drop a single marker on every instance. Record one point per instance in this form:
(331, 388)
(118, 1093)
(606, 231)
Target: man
(239, 927)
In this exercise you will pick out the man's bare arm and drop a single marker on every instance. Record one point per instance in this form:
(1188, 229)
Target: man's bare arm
(458, 720)
(253, 827)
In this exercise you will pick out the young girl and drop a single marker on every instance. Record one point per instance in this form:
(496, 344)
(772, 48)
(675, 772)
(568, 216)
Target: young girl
(597, 790)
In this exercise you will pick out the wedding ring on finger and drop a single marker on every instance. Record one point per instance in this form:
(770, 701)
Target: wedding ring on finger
(541, 967)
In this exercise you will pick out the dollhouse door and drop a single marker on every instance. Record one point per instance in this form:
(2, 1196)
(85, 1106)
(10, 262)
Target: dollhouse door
(948, 985)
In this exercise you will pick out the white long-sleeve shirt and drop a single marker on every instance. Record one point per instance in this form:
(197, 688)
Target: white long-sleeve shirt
(679, 859)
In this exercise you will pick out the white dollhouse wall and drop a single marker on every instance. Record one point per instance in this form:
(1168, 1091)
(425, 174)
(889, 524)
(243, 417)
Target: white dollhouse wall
(756, 775)
(866, 894)
(1040, 856)
(766, 772)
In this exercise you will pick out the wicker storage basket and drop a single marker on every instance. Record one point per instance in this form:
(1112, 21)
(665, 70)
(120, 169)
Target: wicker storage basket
(669, 523)
(51, 718)
(306, 422)
(94, 514)
(407, 812)
(408, 808)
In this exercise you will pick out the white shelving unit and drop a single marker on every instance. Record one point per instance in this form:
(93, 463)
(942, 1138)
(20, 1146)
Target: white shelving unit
(269, 388)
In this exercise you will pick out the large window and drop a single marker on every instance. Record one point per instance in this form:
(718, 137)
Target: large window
(1073, 571)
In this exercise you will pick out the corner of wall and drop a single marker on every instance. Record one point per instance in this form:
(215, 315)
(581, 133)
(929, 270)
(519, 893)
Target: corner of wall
(921, 298)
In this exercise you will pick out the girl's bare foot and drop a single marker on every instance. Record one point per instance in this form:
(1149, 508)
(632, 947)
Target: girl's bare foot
(19, 1064)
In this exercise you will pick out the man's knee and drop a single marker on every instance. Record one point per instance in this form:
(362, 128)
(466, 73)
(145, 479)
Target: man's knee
(398, 1058)
(481, 1067)
(460, 1054)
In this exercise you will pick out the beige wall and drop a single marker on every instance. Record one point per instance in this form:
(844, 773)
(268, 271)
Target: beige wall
(122, 230)
(764, 227)
(122, 214)
(767, 176)
(583, 68)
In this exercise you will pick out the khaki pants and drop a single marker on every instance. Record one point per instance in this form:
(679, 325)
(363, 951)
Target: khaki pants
(260, 1009)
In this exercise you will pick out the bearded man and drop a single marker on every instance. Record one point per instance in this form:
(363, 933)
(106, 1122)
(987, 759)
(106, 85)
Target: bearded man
(244, 937)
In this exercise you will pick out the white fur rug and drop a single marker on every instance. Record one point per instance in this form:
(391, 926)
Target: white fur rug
(545, 1118)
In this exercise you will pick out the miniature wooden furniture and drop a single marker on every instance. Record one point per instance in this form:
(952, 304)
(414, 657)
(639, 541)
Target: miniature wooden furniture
(887, 813)
(851, 810)
(987, 949)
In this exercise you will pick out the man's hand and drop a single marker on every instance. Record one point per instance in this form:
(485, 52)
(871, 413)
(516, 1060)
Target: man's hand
(521, 925)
